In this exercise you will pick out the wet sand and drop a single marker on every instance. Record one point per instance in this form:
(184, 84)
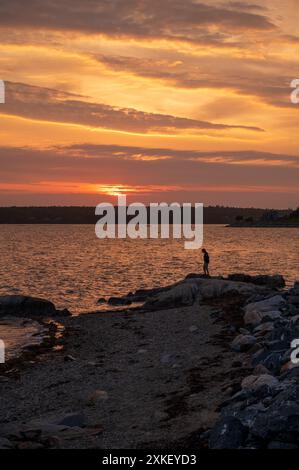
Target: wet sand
(19, 334)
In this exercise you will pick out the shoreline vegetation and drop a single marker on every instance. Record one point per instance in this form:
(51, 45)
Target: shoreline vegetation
(202, 363)
(86, 215)
(218, 215)
(269, 219)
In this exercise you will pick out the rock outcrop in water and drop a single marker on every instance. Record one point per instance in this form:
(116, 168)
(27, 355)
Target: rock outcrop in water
(199, 289)
(20, 305)
(196, 287)
(274, 282)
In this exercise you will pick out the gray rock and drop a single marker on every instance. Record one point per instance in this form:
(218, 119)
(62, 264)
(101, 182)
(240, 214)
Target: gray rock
(141, 295)
(236, 400)
(248, 415)
(244, 331)
(254, 382)
(228, 433)
(293, 299)
(183, 294)
(266, 305)
(285, 334)
(167, 359)
(252, 318)
(290, 373)
(292, 310)
(282, 445)
(296, 286)
(119, 301)
(271, 316)
(5, 444)
(261, 370)
(272, 360)
(73, 420)
(193, 328)
(256, 317)
(26, 306)
(263, 329)
(295, 320)
(274, 282)
(280, 422)
(243, 343)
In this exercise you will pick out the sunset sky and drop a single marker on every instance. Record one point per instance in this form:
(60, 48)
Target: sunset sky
(169, 100)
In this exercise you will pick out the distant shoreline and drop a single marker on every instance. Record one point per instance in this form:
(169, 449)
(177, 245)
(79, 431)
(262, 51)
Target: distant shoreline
(58, 215)
(263, 226)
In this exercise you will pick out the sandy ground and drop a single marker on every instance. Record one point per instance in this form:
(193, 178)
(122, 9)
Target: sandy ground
(158, 377)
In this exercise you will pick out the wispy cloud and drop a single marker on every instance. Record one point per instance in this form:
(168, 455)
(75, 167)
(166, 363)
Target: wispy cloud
(88, 174)
(113, 164)
(45, 104)
(135, 18)
(214, 72)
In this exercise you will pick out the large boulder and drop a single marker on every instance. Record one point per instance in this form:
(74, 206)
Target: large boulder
(20, 305)
(293, 299)
(280, 422)
(180, 295)
(275, 281)
(263, 329)
(119, 301)
(264, 310)
(228, 433)
(272, 303)
(5, 444)
(243, 343)
(215, 288)
(272, 360)
(185, 293)
(195, 287)
(255, 382)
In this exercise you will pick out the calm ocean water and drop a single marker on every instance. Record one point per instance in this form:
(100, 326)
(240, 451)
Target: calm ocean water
(68, 265)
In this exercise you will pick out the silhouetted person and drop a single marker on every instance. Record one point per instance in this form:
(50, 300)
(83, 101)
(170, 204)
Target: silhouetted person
(206, 261)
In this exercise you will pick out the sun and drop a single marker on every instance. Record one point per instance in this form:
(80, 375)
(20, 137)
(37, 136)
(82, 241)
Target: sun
(115, 189)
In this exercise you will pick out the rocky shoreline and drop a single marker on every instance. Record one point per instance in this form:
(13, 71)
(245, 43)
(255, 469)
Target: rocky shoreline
(265, 412)
(205, 362)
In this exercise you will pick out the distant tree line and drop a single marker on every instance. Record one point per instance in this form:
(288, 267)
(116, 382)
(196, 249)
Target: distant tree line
(86, 215)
